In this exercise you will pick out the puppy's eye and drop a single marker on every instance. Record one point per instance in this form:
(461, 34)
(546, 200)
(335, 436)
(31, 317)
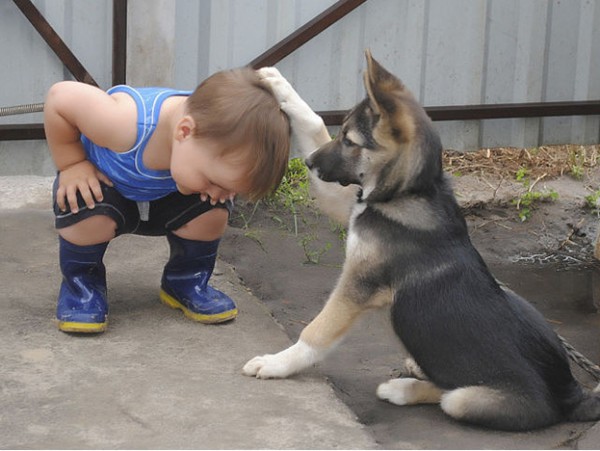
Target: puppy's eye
(347, 142)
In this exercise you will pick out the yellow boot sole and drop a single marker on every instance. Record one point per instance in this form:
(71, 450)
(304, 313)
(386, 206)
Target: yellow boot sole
(206, 319)
(82, 328)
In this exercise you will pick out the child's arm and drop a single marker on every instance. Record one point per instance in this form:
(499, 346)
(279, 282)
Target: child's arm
(72, 109)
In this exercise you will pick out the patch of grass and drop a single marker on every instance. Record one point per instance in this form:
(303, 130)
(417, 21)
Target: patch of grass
(339, 230)
(289, 207)
(526, 202)
(521, 174)
(577, 159)
(293, 190)
(592, 201)
(313, 256)
(246, 220)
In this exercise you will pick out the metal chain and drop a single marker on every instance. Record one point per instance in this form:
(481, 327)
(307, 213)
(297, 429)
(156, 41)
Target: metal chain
(589, 366)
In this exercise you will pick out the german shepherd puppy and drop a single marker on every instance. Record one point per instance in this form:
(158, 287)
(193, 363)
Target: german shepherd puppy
(484, 353)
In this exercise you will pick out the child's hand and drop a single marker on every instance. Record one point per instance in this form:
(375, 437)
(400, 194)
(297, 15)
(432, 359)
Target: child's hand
(307, 126)
(221, 198)
(82, 177)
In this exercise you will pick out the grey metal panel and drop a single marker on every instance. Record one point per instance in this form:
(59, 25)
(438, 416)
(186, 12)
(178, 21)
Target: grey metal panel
(446, 51)
(30, 67)
(514, 62)
(572, 68)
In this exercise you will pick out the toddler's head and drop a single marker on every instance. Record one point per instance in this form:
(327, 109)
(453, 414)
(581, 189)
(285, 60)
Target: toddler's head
(235, 108)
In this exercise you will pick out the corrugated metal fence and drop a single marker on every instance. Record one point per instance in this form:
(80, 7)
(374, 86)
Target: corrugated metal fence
(449, 52)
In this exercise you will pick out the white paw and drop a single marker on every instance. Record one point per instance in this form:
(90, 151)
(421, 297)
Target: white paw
(395, 391)
(267, 366)
(284, 363)
(304, 120)
(266, 72)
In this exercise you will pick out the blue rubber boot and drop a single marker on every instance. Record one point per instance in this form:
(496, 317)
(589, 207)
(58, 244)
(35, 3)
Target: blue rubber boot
(82, 305)
(184, 284)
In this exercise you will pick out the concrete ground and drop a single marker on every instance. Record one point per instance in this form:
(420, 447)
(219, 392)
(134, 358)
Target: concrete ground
(157, 380)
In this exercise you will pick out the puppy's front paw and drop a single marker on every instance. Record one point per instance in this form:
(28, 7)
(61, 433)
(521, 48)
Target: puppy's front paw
(268, 72)
(304, 119)
(284, 363)
(266, 366)
(282, 89)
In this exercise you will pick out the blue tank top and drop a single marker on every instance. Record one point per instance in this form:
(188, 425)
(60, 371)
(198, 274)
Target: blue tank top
(126, 169)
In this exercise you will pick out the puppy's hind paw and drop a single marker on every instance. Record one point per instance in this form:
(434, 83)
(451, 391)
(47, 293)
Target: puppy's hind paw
(406, 391)
(393, 391)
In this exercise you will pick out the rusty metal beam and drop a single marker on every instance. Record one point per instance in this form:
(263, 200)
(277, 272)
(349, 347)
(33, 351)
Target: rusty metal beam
(514, 110)
(496, 111)
(21, 132)
(305, 33)
(54, 41)
(295, 40)
(439, 113)
(119, 44)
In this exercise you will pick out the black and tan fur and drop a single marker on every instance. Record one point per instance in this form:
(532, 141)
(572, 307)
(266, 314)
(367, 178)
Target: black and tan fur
(485, 354)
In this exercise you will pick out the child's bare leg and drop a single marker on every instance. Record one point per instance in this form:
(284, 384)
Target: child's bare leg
(208, 226)
(92, 230)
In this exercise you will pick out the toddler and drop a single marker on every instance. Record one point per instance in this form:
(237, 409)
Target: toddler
(157, 161)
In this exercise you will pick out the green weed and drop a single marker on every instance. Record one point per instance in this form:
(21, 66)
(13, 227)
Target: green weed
(526, 202)
(313, 256)
(288, 207)
(293, 190)
(592, 202)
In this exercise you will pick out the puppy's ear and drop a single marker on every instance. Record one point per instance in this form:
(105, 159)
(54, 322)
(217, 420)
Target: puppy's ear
(381, 87)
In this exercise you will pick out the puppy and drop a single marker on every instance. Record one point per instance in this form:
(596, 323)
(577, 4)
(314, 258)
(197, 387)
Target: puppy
(483, 353)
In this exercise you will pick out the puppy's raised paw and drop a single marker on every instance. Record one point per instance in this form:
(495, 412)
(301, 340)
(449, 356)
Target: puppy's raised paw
(268, 72)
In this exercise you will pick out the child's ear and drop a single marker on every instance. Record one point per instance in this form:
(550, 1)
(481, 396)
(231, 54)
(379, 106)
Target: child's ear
(185, 128)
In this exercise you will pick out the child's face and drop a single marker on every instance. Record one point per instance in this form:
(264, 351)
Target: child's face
(198, 167)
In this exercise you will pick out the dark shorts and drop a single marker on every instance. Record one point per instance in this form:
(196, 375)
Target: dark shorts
(154, 218)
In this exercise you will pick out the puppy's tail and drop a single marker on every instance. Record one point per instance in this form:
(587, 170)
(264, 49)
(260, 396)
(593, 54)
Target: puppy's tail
(588, 409)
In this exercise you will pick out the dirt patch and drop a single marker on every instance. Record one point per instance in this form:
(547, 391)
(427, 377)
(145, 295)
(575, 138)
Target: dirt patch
(505, 162)
(557, 187)
(530, 205)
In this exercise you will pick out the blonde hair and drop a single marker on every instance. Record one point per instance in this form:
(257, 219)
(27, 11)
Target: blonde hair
(237, 108)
